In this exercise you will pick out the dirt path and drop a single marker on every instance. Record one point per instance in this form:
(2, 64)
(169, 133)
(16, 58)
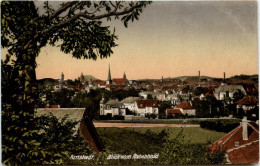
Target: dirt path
(101, 124)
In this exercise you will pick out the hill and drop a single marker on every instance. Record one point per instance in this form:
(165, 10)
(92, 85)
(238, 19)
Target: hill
(89, 77)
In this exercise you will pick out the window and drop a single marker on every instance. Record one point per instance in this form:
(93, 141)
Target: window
(236, 143)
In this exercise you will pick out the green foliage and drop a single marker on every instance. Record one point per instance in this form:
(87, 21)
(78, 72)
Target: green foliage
(220, 125)
(208, 108)
(163, 105)
(52, 141)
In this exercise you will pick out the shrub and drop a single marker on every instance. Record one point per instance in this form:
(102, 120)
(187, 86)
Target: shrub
(49, 142)
(220, 125)
(118, 117)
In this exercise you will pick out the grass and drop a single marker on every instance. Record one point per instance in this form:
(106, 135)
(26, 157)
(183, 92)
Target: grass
(130, 138)
(191, 135)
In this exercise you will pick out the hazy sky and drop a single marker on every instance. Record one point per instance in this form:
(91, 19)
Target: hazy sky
(172, 39)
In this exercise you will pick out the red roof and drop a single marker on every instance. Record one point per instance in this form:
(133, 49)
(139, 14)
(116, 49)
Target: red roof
(246, 151)
(115, 87)
(119, 81)
(52, 106)
(147, 103)
(99, 82)
(184, 106)
(173, 111)
(248, 101)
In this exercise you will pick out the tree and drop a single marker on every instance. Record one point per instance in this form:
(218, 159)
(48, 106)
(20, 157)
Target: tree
(77, 25)
(163, 105)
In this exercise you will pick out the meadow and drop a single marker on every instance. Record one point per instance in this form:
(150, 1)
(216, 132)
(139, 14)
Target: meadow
(142, 140)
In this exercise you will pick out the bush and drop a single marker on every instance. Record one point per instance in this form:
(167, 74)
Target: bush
(50, 142)
(118, 117)
(105, 117)
(220, 125)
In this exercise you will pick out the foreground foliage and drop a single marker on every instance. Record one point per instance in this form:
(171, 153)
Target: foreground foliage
(52, 141)
(171, 150)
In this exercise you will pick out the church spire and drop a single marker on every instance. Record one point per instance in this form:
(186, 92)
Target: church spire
(109, 74)
(109, 80)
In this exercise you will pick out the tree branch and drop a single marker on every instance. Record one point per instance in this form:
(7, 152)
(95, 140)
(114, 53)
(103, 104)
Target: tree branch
(81, 14)
(62, 9)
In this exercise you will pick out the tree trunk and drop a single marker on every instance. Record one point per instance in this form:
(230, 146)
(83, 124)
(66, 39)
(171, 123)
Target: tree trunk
(25, 66)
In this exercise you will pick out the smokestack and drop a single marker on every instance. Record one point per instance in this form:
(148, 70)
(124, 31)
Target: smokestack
(244, 127)
(199, 78)
(224, 77)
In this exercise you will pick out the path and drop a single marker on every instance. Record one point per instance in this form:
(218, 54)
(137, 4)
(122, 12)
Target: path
(102, 124)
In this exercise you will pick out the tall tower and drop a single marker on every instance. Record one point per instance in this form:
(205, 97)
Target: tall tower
(82, 79)
(109, 80)
(61, 80)
(124, 76)
(199, 78)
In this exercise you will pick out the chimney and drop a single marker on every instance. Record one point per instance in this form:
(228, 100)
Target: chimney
(199, 78)
(244, 127)
(224, 77)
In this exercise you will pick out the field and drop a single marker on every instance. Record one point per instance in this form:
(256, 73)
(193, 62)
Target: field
(148, 139)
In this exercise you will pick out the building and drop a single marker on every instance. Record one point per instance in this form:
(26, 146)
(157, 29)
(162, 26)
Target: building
(113, 107)
(241, 144)
(129, 102)
(186, 108)
(247, 103)
(224, 91)
(84, 127)
(145, 107)
(161, 96)
(173, 112)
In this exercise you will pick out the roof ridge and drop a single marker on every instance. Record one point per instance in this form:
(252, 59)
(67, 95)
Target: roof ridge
(242, 146)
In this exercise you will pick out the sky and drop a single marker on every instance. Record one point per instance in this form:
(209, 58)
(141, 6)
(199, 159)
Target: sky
(171, 39)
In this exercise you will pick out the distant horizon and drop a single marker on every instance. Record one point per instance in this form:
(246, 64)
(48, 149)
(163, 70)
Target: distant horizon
(151, 78)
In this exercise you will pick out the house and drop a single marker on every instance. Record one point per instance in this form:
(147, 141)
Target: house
(247, 103)
(129, 102)
(241, 144)
(143, 107)
(99, 83)
(186, 108)
(155, 95)
(173, 98)
(113, 107)
(84, 127)
(173, 112)
(224, 91)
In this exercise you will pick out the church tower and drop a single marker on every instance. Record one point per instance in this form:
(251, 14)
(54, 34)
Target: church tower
(109, 80)
(61, 80)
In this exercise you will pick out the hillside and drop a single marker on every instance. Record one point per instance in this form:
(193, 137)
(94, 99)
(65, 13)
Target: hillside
(89, 77)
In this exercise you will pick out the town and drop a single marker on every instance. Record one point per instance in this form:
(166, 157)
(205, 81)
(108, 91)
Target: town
(129, 82)
(165, 98)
